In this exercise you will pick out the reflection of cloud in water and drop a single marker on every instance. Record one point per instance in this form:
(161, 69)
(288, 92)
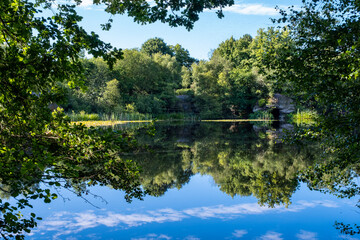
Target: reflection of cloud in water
(70, 223)
(191, 238)
(305, 235)
(221, 211)
(239, 233)
(153, 236)
(271, 236)
(305, 204)
(347, 237)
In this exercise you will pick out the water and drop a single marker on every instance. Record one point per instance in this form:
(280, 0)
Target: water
(206, 181)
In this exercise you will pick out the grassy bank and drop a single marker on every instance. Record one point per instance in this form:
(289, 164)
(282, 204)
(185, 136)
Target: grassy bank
(120, 117)
(83, 116)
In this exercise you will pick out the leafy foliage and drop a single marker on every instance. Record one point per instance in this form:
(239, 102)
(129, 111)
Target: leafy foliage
(321, 68)
(39, 56)
(175, 13)
(156, 45)
(236, 51)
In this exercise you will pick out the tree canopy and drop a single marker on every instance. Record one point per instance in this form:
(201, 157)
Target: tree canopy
(38, 55)
(156, 45)
(320, 68)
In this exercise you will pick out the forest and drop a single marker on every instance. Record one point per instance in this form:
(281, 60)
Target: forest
(165, 81)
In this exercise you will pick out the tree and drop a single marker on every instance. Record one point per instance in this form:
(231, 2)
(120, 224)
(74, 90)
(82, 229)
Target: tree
(156, 45)
(182, 56)
(148, 82)
(322, 69)
(36, 54)
(111, 97)
(209, 83)
(323, 65)
(86, 98)
(236, 51)
(246, 89)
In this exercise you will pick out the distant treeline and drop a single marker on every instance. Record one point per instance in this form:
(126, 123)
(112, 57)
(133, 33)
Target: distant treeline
(159, 79)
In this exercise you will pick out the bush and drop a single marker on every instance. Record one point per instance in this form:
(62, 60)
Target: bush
(185, 91)
(262, 102)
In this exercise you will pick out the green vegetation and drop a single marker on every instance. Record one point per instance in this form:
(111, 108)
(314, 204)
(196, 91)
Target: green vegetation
(314, 59)
(160, 79)
(303, 117)
(40, 61)
(320, 68)
(264, 115)
(82, 116)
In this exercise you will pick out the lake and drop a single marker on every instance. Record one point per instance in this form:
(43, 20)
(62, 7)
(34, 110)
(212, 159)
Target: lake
(219, 180)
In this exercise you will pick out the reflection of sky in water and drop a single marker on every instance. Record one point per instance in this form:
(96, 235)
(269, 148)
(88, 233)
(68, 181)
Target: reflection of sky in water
(197, 211)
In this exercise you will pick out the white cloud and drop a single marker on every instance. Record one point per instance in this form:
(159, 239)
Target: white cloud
(252, 9)
(86, 3)
(239, 233)
(271, 236)
(305, 235)
(300, 205)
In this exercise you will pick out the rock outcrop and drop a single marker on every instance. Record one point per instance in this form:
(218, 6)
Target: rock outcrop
(279, 105)
(184, 103)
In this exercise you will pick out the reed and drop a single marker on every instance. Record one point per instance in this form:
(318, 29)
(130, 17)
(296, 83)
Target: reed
(261, 115)
(307, 117)
(83, 116)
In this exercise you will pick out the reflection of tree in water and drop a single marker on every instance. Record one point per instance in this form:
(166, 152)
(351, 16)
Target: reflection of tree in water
(161, 172)
(162, 168)
(337, 170)
(66, 161)
(241, 162)
(245, 162)
(268, 172)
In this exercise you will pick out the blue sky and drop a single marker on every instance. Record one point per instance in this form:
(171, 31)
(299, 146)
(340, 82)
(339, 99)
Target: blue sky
(244, 17)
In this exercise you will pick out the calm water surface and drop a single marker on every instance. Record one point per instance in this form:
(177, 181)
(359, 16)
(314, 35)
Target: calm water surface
(206, 181)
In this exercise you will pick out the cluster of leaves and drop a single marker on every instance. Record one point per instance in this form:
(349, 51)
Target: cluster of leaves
(347, 228)
(175, 13)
